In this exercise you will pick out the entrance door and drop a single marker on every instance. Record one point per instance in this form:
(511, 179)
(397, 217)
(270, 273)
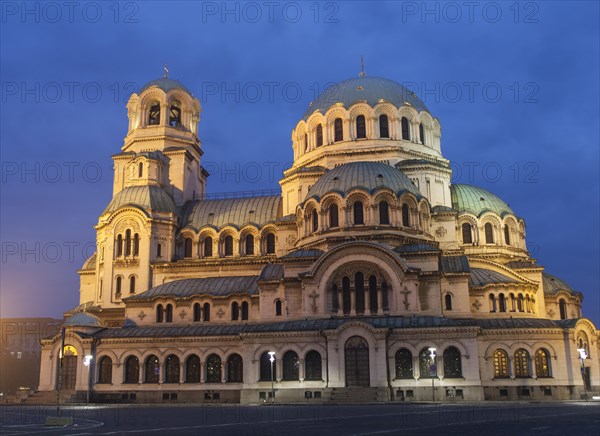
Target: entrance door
(68, 373)
(587, 379)
(357, 362)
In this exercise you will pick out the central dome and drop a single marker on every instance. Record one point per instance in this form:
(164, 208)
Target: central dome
(369, 89)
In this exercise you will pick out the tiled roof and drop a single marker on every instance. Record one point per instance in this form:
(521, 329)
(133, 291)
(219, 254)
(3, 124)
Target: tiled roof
(517, 264)
(467, 198)
(454, 264)
(90, 264)
(272, 271)
(302, 253)
(82, 319)
(553, 284)
(415, 248)
(149, 198)
(481, 277)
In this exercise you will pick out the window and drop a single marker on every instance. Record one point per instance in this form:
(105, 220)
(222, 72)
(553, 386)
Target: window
(270, 243)
(346, 301)
(522, 364)
(405, 215)
(140, 169)
(384, 130)
(384, 296)
(359, 288)
(188, 247)
(132, 284)
(312, 366)
(278, 310)
(489, 233)
(427, 368)
(172, 369)
(154, 115)
(152, 369)
(213, 369)
(452, 363)
(384, 213)
(228, 245)
(492, 303)
(502, 303)
(315, 221)
(500, 364)
(338, 130)
(305, 142)
(319, 135)
(373, 294)
(192, 369)
(507, 235)
(175, 116)
(158, 250)
(245, 311)
(405, 129)
(334, 298)
(119, 245)
(404, 365)
(467, 236)
(160, 317)
(118, 285)
(422, 133)
(542, 363)
(196, 312)
(105, 370)
(361, 128)
(128, 242)
(235, 369)
(448, 301)
(235, 311)
(132, 370)
(333, 216)
(208, 247)
(206, 312)
(358, 212)
(169, 313)
(562, 306)
(265, 368)
(291, 366)
(136, 244)
(249, 245)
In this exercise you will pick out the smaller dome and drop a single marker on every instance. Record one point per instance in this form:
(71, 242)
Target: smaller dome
(82, 319)
(166, 84)
(148, 198)
(90, 264)
(553, 284)
(368, 176)
(471, 199)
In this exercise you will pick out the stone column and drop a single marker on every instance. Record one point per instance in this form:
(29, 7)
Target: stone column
(181, 372)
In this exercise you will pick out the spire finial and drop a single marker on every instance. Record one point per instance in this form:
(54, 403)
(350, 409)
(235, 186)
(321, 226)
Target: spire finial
(362, 67)
(166, 68)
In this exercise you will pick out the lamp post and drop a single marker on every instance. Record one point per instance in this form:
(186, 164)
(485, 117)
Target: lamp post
(272, 360)
(582, 357)
(432, 372)
(87, 362)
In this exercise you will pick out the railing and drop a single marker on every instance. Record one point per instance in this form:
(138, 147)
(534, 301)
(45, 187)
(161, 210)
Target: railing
(237, 194)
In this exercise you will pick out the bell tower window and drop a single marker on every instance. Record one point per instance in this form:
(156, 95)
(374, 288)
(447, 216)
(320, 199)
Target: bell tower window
(338, 127)
(384, 130)
(361, 128)
(405, 129)
(174, 116)
(154, 115)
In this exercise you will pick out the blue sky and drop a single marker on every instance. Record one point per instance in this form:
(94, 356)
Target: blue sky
(515, 86)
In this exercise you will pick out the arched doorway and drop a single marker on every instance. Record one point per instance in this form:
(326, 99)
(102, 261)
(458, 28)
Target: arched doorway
(68, 370)
(357, 362)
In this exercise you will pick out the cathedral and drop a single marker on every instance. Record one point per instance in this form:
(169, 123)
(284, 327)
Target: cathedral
(369, 276)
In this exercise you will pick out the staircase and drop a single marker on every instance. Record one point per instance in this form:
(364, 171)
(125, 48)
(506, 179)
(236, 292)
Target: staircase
(49, 397)
(358, 395)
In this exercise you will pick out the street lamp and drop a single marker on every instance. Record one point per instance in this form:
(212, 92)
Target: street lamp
(87, 362)
(272, 359)
(432, 372)
(583, 356)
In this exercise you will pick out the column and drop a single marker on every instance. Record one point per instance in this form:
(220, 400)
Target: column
(339, 305)
(379, 300)
(352, 300)
(301, 369)
(181, 372)
(202, 375)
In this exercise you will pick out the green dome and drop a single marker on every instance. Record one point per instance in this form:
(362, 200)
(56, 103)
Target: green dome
(148, 198)
(471, 199)
(166, 84)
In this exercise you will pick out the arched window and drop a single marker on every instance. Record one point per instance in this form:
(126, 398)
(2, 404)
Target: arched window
(160, 315)
(452, 363)
(467, 235)
(270, 243)
(507, 235)
(427, 367)
(235, 369)
(265, 368)
(522, 364)
(528, 303)
(158, 250)
(140, 169)
(154, 115)
(500, 364)
(119, 245)
(520, 303)
(192, 369)
(319, 135)
(334, 298)
(136, 244)
(405, 215)
(404, 364)
(249, 245)
(405, 129)
(151, 369)
(493, 307)
(172, 369)
(188, 247)
(235, 311)
(489, 233)
(206, 312)
(228, 245)
(448, 301)
(208, 247)
(358, 212)
(384, 212)
(562, 306)
(127, 242)
(213, 369)
(105, 370)
(175, 116)
(422, 133)
(373, 294)
(346, 302)
(169, 313)
(197, 312)
(313, 366)
(132, 370)
(245, 311)
(359, 288)
(315, 221)
(278, 310)
(502, 303)
(132, 284)
(118, 285)
(361, 128)
(333, 216)
(542, 363)
(305, 142)
(384, 130)
(384, 296)
(291, 366)
(338, 130)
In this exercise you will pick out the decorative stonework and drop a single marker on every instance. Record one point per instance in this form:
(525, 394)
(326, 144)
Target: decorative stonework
(141, 315)
(440, 232)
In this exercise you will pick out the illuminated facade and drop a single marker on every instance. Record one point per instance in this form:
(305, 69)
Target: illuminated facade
(369, 275)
